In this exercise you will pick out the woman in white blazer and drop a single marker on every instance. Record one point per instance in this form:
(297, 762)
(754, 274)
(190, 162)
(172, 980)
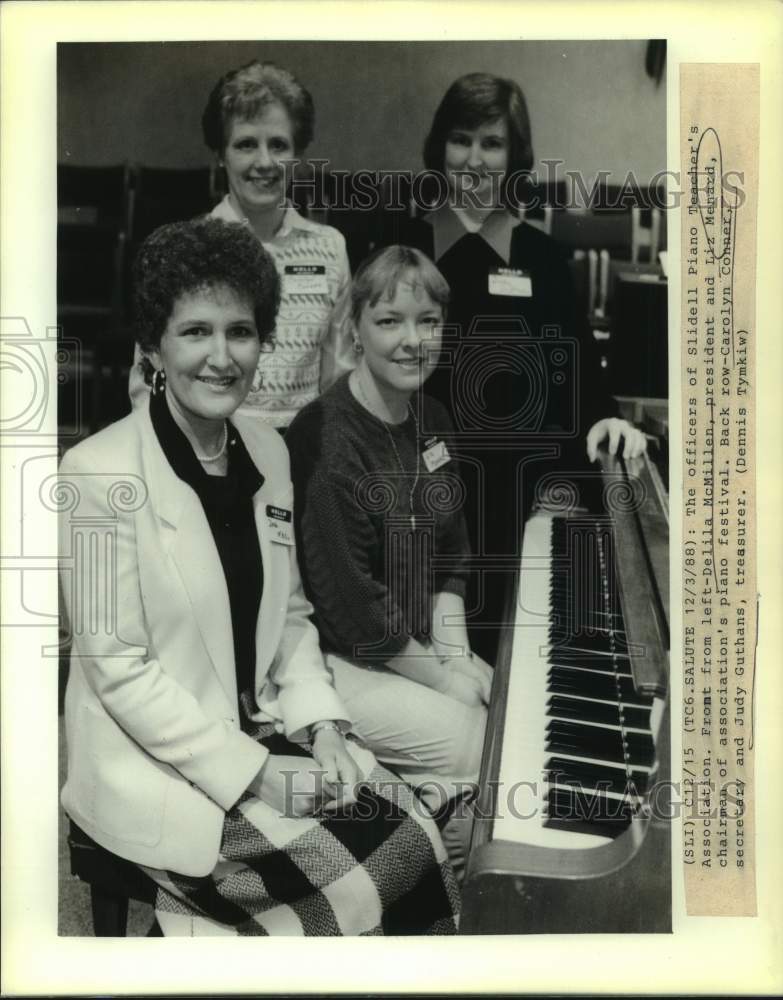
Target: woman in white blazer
(205, 739)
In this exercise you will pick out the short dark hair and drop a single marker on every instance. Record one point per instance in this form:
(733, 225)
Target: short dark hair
(206, 253)
(474, 100)
(379, 275)
(243, 93)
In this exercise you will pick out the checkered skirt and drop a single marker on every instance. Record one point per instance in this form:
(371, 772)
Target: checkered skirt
(378, 869)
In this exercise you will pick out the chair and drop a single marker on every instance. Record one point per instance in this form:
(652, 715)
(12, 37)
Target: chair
(113, 882)
(647, 233)
(91, 317)
(94, 195)
(601, 230)
(94, 215)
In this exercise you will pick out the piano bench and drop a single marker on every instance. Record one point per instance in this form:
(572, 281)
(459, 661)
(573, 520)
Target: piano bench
(113, 881)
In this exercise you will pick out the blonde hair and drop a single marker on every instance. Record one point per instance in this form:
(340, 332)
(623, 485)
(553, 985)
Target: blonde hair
(379, 275)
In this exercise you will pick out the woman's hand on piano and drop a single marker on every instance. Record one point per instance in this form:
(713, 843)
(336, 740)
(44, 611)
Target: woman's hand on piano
(460, 687)
(476, 669)
(634, 442)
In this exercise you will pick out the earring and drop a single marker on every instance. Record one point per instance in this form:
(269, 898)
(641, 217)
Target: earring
(357, 347)
(158, 382)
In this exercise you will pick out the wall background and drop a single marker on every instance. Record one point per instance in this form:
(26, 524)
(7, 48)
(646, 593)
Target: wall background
(591, 103)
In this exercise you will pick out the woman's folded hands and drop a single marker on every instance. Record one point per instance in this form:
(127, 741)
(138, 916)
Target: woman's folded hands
(303, 786)
(467, 679)
(341, 775)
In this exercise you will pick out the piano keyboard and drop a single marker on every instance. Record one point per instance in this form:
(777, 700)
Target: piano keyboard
(578, 751)
(571, 832)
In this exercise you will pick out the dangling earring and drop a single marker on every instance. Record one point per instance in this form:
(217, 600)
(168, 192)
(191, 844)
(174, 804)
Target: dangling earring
(357, 347)
(158, 382)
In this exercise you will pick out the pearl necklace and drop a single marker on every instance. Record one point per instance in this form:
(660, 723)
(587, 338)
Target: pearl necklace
(403, 470)
(207, 459)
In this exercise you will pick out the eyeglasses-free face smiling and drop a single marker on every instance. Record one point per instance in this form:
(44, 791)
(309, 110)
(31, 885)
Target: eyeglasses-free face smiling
(401, 339)
(209, 352)
(256, 159)
(473, 156)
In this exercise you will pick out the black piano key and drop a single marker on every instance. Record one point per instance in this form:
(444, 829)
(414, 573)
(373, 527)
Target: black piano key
(585, 741)
(598, 711)
(596, 642)
(565, 590)
(586, 633)
(613, 779)
(564, 599)
(590, 684)
(619, 665)
(563, 616)
(585, 812)
(599, 743)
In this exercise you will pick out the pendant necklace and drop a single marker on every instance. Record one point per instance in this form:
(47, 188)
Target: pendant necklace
(412, 489)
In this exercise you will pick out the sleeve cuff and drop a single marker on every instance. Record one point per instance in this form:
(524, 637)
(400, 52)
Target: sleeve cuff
(452, 585)
(303, 704)
(234, 768)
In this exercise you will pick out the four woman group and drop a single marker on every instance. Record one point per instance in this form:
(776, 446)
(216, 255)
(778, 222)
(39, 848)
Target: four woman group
(286, 754)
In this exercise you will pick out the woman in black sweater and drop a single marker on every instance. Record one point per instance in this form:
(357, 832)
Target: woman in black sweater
(384, 550)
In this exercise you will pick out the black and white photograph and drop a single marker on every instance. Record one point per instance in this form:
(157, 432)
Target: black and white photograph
(389, 451)
(417, 684)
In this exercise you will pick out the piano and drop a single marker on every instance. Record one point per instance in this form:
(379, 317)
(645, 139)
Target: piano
(571, 831)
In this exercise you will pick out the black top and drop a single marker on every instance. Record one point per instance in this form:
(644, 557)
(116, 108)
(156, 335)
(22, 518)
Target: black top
(228, 506)
(509, 344)
(368, 571)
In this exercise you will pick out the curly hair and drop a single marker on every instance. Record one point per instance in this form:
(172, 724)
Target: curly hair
(379, 275)
(476, 99)
(243, 93)
(184, 257)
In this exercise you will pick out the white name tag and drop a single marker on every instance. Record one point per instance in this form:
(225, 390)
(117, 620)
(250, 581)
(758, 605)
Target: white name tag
(435, 456)
(280, 523)
(305, 279)
(512, 282)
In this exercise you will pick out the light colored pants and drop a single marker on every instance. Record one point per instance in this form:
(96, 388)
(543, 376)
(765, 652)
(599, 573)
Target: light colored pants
(433, 742)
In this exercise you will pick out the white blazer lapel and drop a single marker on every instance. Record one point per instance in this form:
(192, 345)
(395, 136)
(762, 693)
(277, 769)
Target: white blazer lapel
(187, 542)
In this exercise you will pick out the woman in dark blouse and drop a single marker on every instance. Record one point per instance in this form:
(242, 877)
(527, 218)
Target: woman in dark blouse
(519, 378)
(206, 742)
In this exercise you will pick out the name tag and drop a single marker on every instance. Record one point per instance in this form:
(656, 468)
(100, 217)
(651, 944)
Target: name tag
(280, 524)
(435, 456)
(512, 282)
(305, 279)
